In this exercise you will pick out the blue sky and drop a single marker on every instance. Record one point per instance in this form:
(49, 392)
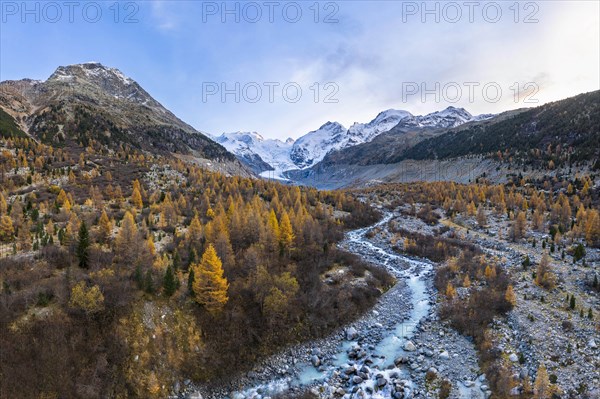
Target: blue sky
(360, 57)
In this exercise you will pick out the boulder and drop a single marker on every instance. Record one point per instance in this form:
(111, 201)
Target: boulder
(315, 360)
(400, 360)
(381, 382)
(357, 380)
(409, 346)
(351, 334)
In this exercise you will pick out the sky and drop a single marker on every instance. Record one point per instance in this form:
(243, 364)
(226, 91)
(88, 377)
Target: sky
(284, 68)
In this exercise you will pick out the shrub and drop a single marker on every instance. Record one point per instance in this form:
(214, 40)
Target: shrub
(445, 389)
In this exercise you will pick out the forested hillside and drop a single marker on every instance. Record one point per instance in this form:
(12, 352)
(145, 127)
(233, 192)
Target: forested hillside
(122, 274)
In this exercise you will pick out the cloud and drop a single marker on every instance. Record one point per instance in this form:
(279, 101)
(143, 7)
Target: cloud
(165, 15)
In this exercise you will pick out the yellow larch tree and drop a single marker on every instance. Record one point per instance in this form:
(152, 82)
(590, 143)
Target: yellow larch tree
(209, 285)
(490, 272)
(273, 224)
(194, 231)
(542, 388)
(286, 234)
(510, 296)
(90, 300)
(6, 228)
(592, 227)
(450, 291)
(105, 227)
(136, 198)
(3, 205)
(128, 246)
(150, 244)
(466, 281)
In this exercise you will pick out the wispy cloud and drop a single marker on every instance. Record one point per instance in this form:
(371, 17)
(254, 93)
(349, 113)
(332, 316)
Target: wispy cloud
(370, 52)
(164, 14)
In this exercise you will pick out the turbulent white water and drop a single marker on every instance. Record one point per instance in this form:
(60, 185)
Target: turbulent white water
(413, 272)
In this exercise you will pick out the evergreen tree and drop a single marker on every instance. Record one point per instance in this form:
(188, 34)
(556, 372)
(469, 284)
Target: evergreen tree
(176, 261)
(579, 252)
(83, 245)
(572, 302)
(148, 282)
(139, 277)
(169, 282)
(191, 279)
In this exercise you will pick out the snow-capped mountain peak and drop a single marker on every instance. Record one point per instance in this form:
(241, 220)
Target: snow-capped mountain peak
(260, 153)
(97, 77)
(391, 114)
(311, 148)
(447, 118)
(384, 121)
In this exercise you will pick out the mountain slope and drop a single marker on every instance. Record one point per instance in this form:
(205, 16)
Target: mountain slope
(90, 101)
(532, 141)
(572, 125)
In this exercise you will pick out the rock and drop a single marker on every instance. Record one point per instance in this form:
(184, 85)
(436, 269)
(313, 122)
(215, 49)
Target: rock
(315, 360)
(381, 382)
(351, 334)
(468, 383)
(400, 360)
(513, 357)
(592, 344)
(409, 346)
(357, 380)
(516, 391)
(444, 355)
